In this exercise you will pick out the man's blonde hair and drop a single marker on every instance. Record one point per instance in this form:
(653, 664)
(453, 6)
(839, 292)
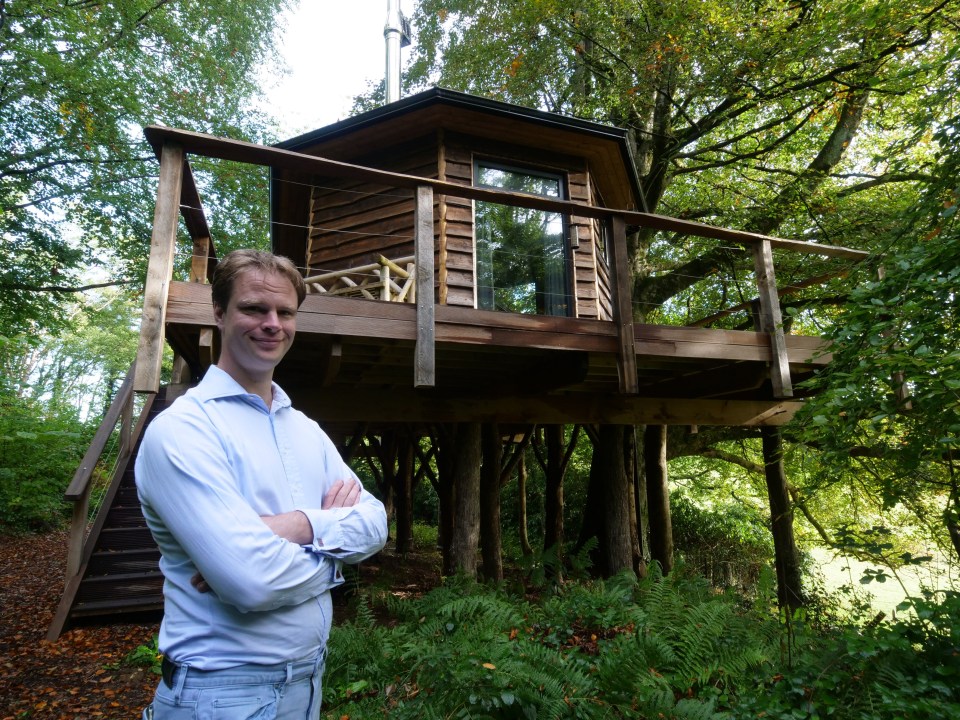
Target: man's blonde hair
(237, 262)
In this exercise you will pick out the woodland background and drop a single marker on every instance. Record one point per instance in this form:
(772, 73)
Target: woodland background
(822, 120)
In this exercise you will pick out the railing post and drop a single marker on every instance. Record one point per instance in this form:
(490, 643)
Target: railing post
(78, 533)
(385, 283)
(425, 364)
(771, 321)
(160, 269)
(623, 306)
(126, 427)
(199, 260)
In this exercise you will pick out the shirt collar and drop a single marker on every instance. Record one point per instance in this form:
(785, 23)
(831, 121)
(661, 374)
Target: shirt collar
(218, 384)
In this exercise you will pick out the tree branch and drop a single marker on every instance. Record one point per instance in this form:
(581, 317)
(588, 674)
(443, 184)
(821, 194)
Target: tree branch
(62, 289)
(881, 180)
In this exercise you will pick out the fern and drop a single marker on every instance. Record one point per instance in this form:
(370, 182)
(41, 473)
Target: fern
(619, 648)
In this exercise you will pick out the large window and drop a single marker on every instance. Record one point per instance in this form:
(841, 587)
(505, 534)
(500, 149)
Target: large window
(521, 253)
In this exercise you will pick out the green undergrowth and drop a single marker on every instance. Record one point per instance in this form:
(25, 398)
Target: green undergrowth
(655, 648)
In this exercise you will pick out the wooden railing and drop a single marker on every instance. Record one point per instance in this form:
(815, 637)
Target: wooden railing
(177, 194)
(373, 282)
(78, 492)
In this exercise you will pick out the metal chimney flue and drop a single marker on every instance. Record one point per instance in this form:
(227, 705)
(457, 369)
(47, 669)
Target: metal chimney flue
(396, 33)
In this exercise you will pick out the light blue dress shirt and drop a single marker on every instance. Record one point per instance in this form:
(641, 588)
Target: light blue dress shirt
(208, 467)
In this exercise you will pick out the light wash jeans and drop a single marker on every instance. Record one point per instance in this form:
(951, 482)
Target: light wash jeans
(249, 692)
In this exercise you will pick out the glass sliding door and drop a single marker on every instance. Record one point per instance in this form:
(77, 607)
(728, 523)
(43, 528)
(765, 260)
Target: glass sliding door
(521, 254)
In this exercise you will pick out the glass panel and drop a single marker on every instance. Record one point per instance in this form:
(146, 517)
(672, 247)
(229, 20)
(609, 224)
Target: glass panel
(521, 253)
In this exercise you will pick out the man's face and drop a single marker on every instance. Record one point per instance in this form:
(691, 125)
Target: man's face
(257, 326)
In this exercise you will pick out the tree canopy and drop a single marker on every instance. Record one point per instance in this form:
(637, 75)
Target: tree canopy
(819, 120)
(77, 179)
(813, 120)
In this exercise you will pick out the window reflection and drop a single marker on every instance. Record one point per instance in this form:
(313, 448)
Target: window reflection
(521, 253)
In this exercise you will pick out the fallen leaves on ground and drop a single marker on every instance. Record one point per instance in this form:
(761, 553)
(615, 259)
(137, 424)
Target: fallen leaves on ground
(81, 675)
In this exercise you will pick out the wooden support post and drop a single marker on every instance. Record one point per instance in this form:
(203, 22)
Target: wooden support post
(160, 269)
(623, 307)
(771, 321)
(200, 259)
(206, 349)
(425, 370)
(126, 429)
(181, 371)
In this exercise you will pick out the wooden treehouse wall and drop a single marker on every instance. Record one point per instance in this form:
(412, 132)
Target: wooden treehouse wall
(351, 223)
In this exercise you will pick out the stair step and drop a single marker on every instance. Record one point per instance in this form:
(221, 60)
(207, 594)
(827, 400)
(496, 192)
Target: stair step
(124, 516)
(125, 538)
(118, 606)
(124, 561)
(128, 494)
(120, 588)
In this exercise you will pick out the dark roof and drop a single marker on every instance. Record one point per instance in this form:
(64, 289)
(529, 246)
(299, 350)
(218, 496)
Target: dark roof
(435, 97)
(455, 99)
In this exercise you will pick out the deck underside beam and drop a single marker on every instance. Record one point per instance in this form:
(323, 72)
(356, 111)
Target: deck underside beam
(412, 407)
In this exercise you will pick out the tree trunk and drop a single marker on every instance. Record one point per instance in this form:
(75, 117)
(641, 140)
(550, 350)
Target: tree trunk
(789, 583)
(658, 495)
(638, 503)
(466, 501)
(608, 503)
(446, 456)
(953, 527)
(522, 506)
(403, 494)
(490, 546)
(553, 492)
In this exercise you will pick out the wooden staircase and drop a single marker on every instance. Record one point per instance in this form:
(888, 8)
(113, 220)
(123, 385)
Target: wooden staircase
(115, 575)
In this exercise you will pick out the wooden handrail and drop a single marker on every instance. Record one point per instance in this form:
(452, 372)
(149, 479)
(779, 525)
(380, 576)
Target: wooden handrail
(78, 491)
(79, 486)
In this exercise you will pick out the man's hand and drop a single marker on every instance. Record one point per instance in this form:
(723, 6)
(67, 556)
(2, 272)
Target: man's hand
(199, 583)
(343, 493)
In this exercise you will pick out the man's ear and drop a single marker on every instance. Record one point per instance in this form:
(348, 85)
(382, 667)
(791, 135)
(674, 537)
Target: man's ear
(218, 316)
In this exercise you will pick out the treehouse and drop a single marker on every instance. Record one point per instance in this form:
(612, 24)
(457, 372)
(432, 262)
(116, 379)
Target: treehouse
(466, 261)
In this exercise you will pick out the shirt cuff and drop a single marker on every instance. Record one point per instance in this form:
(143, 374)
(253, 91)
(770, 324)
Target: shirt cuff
(327, 535)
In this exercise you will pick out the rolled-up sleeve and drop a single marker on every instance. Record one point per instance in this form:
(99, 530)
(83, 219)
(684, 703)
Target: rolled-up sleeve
(350, 534)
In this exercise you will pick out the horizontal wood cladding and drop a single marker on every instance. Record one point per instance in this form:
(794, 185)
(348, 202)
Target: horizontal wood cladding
(352, 223)
(458, 289)
(604, 286)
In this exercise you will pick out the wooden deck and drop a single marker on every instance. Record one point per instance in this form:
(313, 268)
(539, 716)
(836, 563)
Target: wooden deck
(353, 361)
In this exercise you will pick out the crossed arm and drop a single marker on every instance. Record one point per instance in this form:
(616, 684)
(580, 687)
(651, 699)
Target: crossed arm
(294, 525)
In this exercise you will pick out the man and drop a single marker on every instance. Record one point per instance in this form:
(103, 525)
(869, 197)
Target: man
(254, 512)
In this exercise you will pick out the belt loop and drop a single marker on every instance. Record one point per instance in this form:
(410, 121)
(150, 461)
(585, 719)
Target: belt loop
(289, 673)
(181, 678)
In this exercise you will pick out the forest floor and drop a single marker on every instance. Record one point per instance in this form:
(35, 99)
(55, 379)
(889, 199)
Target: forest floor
(85, 674)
